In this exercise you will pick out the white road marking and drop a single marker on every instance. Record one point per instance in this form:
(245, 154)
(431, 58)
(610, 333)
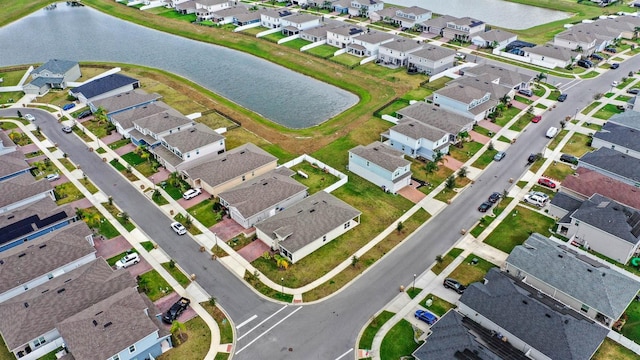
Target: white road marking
(246, 321)
(573, 83)
(269, 329)
(262, 322)
(345, 354)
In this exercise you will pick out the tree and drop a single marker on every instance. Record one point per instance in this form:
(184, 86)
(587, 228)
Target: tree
(505, 99)
(431, 167)
(179, 328)
(124, 216)
(354, 261)
(541, 76)
(450, 183)
(19, 114)
(462, 172)
(212, 301)
(438, 157)
(494, 44)
(491, 147)
(578, 49)
(400, 226)
(100, 115)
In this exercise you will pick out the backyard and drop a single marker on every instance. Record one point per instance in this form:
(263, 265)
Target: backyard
(317, 179)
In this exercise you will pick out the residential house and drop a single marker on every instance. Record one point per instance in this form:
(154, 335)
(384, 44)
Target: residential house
(627, 25)
(618, 137)
(237, 15)
(12, 164)
(296, 23)
(124, 120)
(455, 336)
(262, 197)
(431, 60)
(584, 183)
(613, 164)
(436, 25)
(104, 87)
(306, 226)
(54, 74)
(551, 56)
(32, 221)
(578, 38)
(633, 104)
(340, 6)
(629, 119)
(342, 36)
(396, 53)
(532, 322)
(52, 255)
(604, 226)
(382, 165)
(437, 117)
(186, 7)
(368, 44)
(403, 17)
(124, 101)
(463, 29)
(494, 38)
(580, 282)
(246, 18)
(272, 18)
(217, 174)
(22, 190)
(102, 332)
(364, 8)
(206, 8)
(473, 97)
(149, 130)
(499, 75)
(319, 33)
(563, 204)
(187, 145)
(6, 144)
(28, 322)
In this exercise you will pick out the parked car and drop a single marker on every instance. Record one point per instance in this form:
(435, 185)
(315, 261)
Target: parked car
(633, 91)
(454, 285)
(176, 310)
(546, 182)
(562, 97)
(495, 197)
(178, 228)
(536, 119)
(29, 117)
(614, 84)
(595, 56)
(569, 159)
(68, 106)
(499, 156)
(552, 132)
(191, 193)
(540, 194)
(66, 129)
(611, 50)
(615, 66)
(585, 63)
(84, 114)
(485, 206)
(426, 316)
(535, 200)
(128, 260)
(532, 158)
(53, 177)
(526, 92)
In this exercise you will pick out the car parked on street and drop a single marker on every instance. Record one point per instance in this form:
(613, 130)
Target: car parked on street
(614, 84)
(426, 316)
(485, 206)
(551, 132)
(531, 159)
(178, 228)
(68, 106)
(191, 193)
(128, 260)
(53, 177)
(29, 117)
(66, 129)
(454, 285)
(569, 159)
(176, 310)
(536, 119)
(562, 97)
(493, 198)
(546, 182)
(499, 156)
(615, 66)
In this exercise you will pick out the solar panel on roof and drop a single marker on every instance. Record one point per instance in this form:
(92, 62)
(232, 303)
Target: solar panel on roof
(636, 230)
(25, 226)
(634, 219)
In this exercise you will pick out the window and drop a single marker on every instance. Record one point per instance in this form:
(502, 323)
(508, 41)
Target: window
(584, 308)
(39, 341)
(132, 348)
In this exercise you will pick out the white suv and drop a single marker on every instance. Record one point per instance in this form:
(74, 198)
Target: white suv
(191, 193)
(178, 228)
(535, 199)
(128, 260)
(29, 117)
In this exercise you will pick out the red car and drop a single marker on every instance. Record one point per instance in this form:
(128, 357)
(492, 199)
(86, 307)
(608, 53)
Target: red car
(546, 182)
(536, 119)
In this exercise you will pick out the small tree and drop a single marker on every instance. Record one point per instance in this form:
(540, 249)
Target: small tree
(177, 330)
(354, 261)
(450, 183)
(439, 259)
(19, 114)
(431, 167)
(125, 216)
(462, 172)
(491, 147)
(212, 301)
(110, 200)
(400, 226)
(172, 264)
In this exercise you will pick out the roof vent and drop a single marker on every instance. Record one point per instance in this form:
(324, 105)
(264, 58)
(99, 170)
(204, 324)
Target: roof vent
(26, 304)
(1, 262)
(525, 302)
(547, 315)
(42, 246)
(192, 130)
(223, 160)
(67, 280)
(242, 152)
(21, 255)
(312, 210)
(108, 324)
(560, 256)
(95, 323)
(589, 270)
(99, 312)
(61, 291)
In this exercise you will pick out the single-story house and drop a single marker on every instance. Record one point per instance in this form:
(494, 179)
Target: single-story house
(619, 138)
(431, 60)
(22, 190)
(382, 165)
(54, 74)
(614, 164)
(306, 226)
(123, 101)
(494, 38)
(551, 56)
(396, 53)
(584, 183)
(13, 164)
(104, 87)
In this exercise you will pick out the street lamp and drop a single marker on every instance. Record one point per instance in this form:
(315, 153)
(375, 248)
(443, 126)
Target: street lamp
(152, 181)
(576, 116)
(282, 282)
(414, 281)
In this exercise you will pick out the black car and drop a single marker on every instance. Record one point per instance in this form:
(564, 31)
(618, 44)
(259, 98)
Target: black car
(615, 66)
(585, 63)
(493, 198)
(532, 158)
(596, 57)
(176, 309)
(562, 97)
(569, 159)
(611, 50)
(454, 285)
(84, 114)
(633, 91)
(485, 206)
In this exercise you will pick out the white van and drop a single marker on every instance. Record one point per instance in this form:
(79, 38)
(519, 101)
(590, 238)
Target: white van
(552, 132)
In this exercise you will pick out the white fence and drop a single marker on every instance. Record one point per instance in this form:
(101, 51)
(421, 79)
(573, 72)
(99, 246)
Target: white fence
(304, 157)
(312, 45)
(245, 27)
(268, 32)
(617, 337)
(390, 119)
(288, 38)
(369, 59)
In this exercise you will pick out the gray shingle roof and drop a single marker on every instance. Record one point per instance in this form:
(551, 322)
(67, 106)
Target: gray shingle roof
(38, 210)
(167, 155)
(120, 321)
(506, 77)
(300, 18)
(126, 100)
(103, 85)
(126, 118)
(439, 22)
(164, 121)
(555, 52)
(41, 81)
(587, 182)
(21, 187)
(436, 117)
(58, 299)
(613, 161)
(347, 30)
(469, 88)
(541, 322)
(193, 138)
(219, 169)
(590, 282)
(12, 163)
(382, 155)
(375, 37)
(211, 2)
(402, 45)
(43, 255)
(608, 216)
(56, 66)
(308, 220)
(6, 141)
(619, 135)
(418, 130)
(467, 21)
(566, 202)
(261, 193)
(495, 35)
(433, 53)
(628, 118)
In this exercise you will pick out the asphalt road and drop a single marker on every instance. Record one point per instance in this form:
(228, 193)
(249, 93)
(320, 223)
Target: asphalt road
(326, 330)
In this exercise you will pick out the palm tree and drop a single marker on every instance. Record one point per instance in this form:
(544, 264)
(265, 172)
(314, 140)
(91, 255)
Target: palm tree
(431, 167)
(450, 183)
(494, 44)
(505, 99)
(438, 157)
(636, 31)
(100, 115)
(578, 49)
(178, 327)
(541, 76)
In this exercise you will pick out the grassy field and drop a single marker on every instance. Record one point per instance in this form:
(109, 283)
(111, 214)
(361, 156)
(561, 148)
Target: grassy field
(577, 145)
(610, 350)
(197, 344)
(467, 272)
(398, 342)
(516, 227)
(438, 306)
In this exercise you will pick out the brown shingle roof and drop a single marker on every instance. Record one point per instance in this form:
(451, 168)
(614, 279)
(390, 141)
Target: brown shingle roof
(12, 162)
(588, 182)
(21, 187)
(382, 155)
(192, 138)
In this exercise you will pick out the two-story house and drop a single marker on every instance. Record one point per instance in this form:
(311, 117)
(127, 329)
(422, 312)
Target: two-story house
(22, 190)
(578, 38)
(12, 164)
(494, 38)
(431, 60)
(124, 120)
(296, 23)
(272, 18)
(499, 75)
(54, 74)
(614, 164)
(122, 102)
(149, 130)
(342, 36)
(408, 18)
(368, 44)
(382, 165)
(473, 97)
(206, 8)
(364, 8)
(435, 25)
(188, 144)
(618, 137)
(463, 29)
(396, 53)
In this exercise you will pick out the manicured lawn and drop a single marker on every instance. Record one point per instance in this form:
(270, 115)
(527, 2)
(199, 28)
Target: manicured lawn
(467, 272)
(117, 164)
(448, 194)
(486, 220)
(594, 127)
(132, 158)
(7, 126)
(10, 97)
(114, 259)
(507, 115)
(323, 51)
(623, 98)
(182, 220)
(159, 199)
(577, 145)
(516, 227)
(99, 128)
(433, 179)
(504, 139)
(95, 220)
(485, 159)
(398, 342)
(152, 284)
(296, 43)
(180, 277)
(119, 215)
(274, 37)
(147, 245)
(204, 213)
(81, 133)
(197, 344)
(438, 306)
(226, 332)
(347, 60)
(556, 140)
(521, 123)
(118, 144)
(558, 171)
(66, 193)
(393, 107)
(413, 292)
(607, 111)
(89, 185)
(466, 152)
(317, 179)
(483, 131)
(631, 328)
(366, 340)
(610, 350)
(523, 100)
(266, 290)
(446, 260)
(541, 106)
(67, 164)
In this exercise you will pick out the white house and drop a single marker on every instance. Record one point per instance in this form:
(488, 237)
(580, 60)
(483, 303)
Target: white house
(404, 17)
(579, 38)
(382, 165)
(206, 8)
(342, 36)
(551, 56)
(431, 60)
(368, 44)
(149, 130)
(463, 29)
(499, 75)
(617, 137)
(272, 18)
(396, 53)
(473, 97)
(296, 23)
(54, 74)
(494, 38)
(104, 87)
(364, 8)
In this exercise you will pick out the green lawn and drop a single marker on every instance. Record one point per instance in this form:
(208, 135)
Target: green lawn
(67, 164)
(594, 127)
(188, 225)
(204, 213)
(118, 144)
(577, 145)
(631, 328)
(467, 272)
(147, 245)
(607, 111)
(152, 284)
(197, 344)
(516, 227)
(486, 220)
(132, 158)
(393, 107)
(485, 159)
(558, 171)
(159, 199)
(556, 140)
(521, 123)
(623, 98)
(89, 185)
(117, 164)
(366, 340)
(438, 306)
(466, 152)
(317, 179)
(398, 342)
(446, 260)
(95, 220)
(610, 350)
(81, 133)
(119, 215)
(296, 43)
(180, 277)
(323, 51)
(347, 60)
(66, 193)
(226, 332)
(507, 115)
(523, 100)
(483, 131)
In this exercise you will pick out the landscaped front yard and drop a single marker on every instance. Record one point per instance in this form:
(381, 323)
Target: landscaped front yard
(366, 340)
(66, 193)
(469, 272)
(197, 344)
(398, 342)
(607, 111)
(486, 220)
(516, 228)
(152, 284)
(95, 220)
(204, 212)
(438, 306)
(468, 149)
(445, 260)
(577, 145)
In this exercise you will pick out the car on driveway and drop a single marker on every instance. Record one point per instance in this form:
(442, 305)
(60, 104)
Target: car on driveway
(546, 182)
(128, 260)
(426, 316)
(535, 200)
(178, 228)
(29, 117)
(493, 198)
(633, 91)
(540, 194)
(84, 114)
(499, 156)
(485, 206)
(66, 129)
(176, 310)
(569, 159)
(526, 92)
(615, 66)
(611, 50)
(595, 56)
(454, 285)
(53, 177)
(68, 106)
(562, 97)
(536, 119)
(191, 193)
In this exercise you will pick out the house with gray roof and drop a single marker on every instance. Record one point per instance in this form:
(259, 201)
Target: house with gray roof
(185, 7)
(40, 260)
(494, 38)
(306, 226)
(206, 8)
(299, 22)
(124, 120)
(28, 322)
(222, 172)
(618, 137)
(402, 17)
(532, 322)
(577, 37)
(436, 25)
(576, 280)
(551, 56)
(431, 60)
(364, 8)
(614, 164)
(584, 183)
(272, 18)
(13, 164)
(123, 101)
(630, 119)
(54, 74)
(463, 29)
(562, 205)
(104, 87)
(474, 97)
(396, 53)
(513, 79)
(341, 36)
(382, 165)
(149, 130)
(604, 226)
(6, 144)
(102, 332)
(368, 44)
(22, 190)
(262, 197)
(238, 15)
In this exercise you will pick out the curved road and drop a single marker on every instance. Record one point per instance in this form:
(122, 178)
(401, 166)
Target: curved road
(328, 329)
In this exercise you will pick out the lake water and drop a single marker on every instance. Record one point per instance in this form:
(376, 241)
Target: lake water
(495, 12)
(83, 34)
